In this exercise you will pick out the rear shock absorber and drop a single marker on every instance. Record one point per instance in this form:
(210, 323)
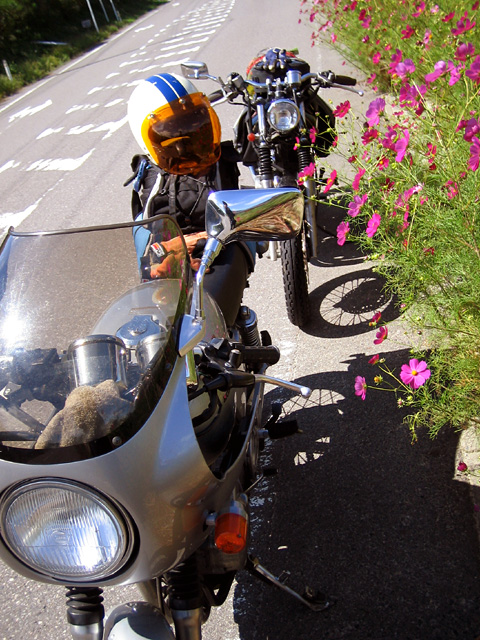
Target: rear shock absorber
(85, 612)
(185, 599)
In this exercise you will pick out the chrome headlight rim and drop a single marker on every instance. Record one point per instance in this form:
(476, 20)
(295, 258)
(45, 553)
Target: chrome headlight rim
(119, 515)
(276, 106)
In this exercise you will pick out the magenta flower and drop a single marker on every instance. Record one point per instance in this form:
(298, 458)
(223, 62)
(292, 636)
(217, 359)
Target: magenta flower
(381, 335)
(474, 159)
(342, 231)
(463, 26)
(464, 51)
(313, 135)
(374, 110)
(415, 373)
(360, 387)
(383, 163)
(401, 146)
(402, 68)
(472, 128)
(427, 36)
(374, 359)
(440, 68)
(449, 17)
(462, 466)
(419, 10)
(454, 73)
(376, 318)
(308, 172)
(373, 224)
(474, 72)
(370, 134)
(408, 32)
(342, 109)
(355, 206)
(330, 181)
(376, 57)
(356, 180)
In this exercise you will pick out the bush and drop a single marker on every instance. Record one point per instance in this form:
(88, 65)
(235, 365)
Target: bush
(415, 189)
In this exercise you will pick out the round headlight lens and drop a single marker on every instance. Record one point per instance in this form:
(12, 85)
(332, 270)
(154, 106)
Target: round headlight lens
(64, 530)
(283, 115)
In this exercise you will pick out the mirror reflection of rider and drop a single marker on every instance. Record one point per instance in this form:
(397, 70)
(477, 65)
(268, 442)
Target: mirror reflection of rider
(180, 132)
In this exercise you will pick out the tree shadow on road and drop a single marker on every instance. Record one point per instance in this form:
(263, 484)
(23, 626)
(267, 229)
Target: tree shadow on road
(360, 512)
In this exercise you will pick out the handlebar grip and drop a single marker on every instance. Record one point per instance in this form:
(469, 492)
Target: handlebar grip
(216, 95)
(345, 80)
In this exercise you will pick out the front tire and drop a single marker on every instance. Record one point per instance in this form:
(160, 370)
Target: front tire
(295, 280)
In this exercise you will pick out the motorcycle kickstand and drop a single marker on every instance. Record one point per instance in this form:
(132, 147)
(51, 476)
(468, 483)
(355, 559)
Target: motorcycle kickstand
(312, 598)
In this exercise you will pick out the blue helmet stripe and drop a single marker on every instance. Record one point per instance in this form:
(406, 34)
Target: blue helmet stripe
(171, 88)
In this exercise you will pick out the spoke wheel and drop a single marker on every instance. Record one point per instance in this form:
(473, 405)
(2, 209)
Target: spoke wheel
(295, 279)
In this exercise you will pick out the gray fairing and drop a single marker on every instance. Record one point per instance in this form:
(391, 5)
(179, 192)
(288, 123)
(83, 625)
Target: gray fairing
(159, 477)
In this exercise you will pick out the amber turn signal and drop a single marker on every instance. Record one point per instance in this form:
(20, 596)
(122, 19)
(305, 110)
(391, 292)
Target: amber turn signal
(231, 532)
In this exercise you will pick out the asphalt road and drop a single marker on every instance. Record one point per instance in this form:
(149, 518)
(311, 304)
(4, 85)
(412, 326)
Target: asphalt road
(355, 509)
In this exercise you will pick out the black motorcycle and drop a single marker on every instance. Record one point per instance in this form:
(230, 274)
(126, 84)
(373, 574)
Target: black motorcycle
(282, 130)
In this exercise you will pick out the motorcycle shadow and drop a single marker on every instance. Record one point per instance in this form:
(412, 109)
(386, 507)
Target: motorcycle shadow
(359, 513)
(344, 306)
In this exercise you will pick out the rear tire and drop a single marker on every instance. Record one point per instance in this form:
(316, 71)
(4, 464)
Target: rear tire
(295, 280)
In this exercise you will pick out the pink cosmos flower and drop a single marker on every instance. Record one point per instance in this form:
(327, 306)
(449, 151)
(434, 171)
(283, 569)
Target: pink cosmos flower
(401, 146)
(342, 109)
(462, 466)
(376, 57)
(452, 189)
(355, 206)
(371, 78)
(342, 231)
(383, 163)
(402, 68)
(330, 181)
(381, 335)
(415, 373)
(474, 72)
(308, 172)
(472, 128)
(313, 135)
(376, 318)
(360, 387)
(474, 159)
(374, 110)
(373, 225)
(374, 359)
(440, 68)
(464, 51)
(408, 32)
(356, 180)
(427, 36)
(454, 73)
(370, 134)
(419, 10)
(463, 26)
(448, 17)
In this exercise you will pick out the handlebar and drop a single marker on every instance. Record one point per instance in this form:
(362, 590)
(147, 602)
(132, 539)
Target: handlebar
(325, 79)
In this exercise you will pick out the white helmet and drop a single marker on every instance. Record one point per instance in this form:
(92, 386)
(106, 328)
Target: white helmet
(175, 124)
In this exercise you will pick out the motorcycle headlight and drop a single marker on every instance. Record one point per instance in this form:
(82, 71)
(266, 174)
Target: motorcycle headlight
(65, 530)
(283, 115)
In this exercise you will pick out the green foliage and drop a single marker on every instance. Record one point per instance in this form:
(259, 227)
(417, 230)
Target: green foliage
(24, 25)
(415, 200)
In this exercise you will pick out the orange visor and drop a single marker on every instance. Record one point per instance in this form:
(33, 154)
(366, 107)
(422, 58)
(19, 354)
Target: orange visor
(184, 135)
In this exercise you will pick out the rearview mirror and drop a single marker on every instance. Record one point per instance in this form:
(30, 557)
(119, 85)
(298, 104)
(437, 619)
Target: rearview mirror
(254, 214)
(193, 69)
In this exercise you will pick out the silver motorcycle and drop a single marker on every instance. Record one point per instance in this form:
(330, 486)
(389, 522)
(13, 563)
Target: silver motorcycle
(131, 418)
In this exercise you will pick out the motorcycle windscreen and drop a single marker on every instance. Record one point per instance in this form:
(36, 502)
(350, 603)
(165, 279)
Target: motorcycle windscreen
(86, 349)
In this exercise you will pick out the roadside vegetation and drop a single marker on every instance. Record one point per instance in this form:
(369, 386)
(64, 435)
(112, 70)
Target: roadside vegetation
(37, 37)
(414, 190)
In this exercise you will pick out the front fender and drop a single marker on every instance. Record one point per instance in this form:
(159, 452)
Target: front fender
(137, 621)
